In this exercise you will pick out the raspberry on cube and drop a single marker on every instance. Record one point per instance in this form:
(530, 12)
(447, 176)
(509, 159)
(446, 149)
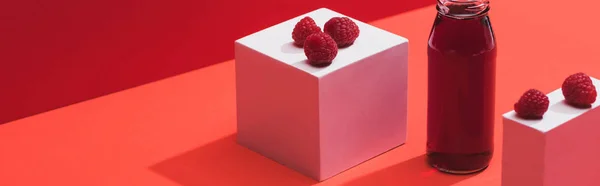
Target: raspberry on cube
(304, 28)
(321, 121)
(343, 30)
(559, 149)
(532, 104)
(579, 91)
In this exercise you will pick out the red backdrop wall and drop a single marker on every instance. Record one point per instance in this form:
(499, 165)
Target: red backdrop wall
(58, 52)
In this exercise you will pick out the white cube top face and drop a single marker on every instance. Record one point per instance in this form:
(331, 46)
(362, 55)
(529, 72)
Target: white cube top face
(276, 42)
(559, 112)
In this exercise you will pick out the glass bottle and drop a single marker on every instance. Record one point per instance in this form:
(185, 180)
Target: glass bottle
(461, 84)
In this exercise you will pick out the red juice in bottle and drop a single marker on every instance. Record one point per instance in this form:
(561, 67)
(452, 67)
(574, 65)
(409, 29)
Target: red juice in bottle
(461, 85)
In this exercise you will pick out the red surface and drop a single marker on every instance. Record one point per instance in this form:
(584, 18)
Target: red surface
(57, 52)
(181, 130)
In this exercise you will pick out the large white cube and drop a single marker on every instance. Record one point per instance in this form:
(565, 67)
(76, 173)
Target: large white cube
(562, 149)
(321, 121)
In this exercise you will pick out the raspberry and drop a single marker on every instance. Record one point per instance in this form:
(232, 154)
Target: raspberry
(343, 30)
(532, 105)
(579, 91)
(320, 49)
(305, 27)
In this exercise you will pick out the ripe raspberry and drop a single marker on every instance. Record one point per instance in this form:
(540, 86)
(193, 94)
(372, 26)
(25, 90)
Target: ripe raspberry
(320, 49)
(305, 27)
(343, 30)
(532, 104)
(579, 91)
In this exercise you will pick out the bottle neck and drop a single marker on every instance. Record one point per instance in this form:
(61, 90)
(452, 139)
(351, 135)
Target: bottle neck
(463, 9)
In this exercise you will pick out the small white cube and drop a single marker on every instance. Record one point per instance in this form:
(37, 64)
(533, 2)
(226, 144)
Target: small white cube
(321, 121)
(561, 149)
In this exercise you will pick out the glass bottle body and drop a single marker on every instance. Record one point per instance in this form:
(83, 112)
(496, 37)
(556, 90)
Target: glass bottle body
(461, 87)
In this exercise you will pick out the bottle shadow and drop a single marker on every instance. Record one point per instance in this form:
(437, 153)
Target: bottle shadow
(414, 171)
(224, 162)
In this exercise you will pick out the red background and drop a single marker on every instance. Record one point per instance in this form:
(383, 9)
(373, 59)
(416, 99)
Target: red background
(54, 53)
